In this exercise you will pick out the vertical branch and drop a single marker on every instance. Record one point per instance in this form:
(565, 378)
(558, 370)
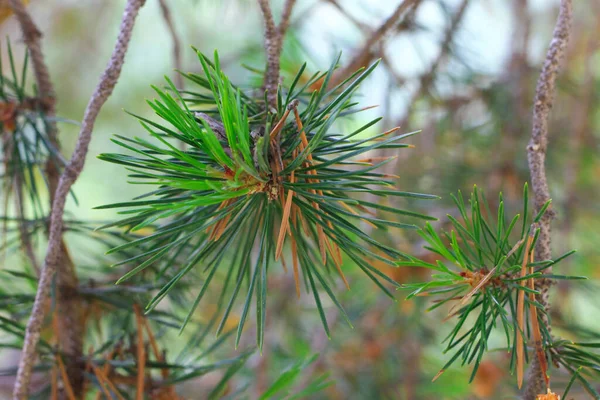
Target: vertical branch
(69, 309)
(166, 13)
(273, 45)
(68, 177)
(536, 157)
(32, 38)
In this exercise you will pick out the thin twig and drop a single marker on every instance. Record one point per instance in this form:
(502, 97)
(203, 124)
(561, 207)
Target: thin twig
(67, 178)
(367, 51)
(179, 83)
(32, 39)
(284, 24)
(141, 353)
(428, 77)
(536, 157)
(360, 25)
(166, 13)
(273, 45)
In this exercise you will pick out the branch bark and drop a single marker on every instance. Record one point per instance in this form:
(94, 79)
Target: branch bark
(536, 157)
(70, 174)
(70, 341)
(273, 45)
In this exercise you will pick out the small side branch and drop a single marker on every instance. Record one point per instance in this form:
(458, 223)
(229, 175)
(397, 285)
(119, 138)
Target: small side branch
(536, 157)
(68, 177)
(273, 45)
(366, 53)
(427, 79)
(166, 13)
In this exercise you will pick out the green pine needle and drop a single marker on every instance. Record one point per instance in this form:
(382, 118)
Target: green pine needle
(254, 180)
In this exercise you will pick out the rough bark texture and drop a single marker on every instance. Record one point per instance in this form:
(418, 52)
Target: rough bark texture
(56, 252)
(536, 157)
(273, 45)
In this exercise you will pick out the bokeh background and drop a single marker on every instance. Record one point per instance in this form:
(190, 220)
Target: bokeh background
(470, 93)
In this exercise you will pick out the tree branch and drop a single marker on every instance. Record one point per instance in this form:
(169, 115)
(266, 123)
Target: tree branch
(427, 78)
(166, 13)
(68, 177)
(273, 46)
(366, 52)
(69, 313)
(536, 157)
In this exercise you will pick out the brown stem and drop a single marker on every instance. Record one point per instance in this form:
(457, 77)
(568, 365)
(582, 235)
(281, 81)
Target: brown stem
(166, 13)
(67, 178)
(335, 3)
(366, 52)
(273, 46)
(427, 79)
(536, 157)
(69, 310)
(24, 233)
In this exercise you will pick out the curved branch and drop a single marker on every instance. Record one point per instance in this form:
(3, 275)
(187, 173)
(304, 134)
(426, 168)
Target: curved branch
(536, 157)
(68, 177)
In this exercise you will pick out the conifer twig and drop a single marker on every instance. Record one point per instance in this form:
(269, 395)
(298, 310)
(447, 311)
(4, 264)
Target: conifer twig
(166, 13)
(536, 157)
(67, 178)
(428, 77)
(69, 340)
(32, 38)
(273, 45)
(364, 56)
(176, 52)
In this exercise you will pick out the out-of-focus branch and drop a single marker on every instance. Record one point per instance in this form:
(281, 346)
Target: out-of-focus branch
(536, 157)
(367, 52)
(166, 13)
(428, 77)
(284, 24)
(69, 309)
(273, 45)
(68, 177)
(350, 17)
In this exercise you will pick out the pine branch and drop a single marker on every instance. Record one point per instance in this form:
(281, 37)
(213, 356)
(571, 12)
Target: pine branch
(166, 13)
(428, 78)
(70, 340)
(285, 19)
(365, 55)
(32, 38)
(68, 177)
(536, 157)
(273, 45)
